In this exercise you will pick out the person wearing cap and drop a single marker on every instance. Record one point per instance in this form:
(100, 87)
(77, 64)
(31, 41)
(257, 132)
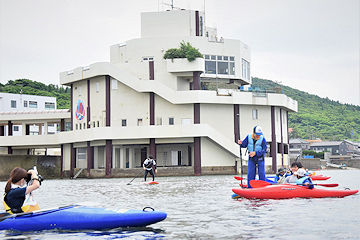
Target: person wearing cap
(302, 179)
(256, 145)
(280, 175)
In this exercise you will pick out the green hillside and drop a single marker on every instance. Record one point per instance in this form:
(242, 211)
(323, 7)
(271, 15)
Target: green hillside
(316, 117)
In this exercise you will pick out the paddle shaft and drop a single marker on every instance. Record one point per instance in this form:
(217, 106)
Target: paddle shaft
(260, 183)
(135, 177)
(241, 163)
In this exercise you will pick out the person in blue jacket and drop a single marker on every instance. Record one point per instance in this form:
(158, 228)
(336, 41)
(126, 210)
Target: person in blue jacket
(256, 145)
(303, 179)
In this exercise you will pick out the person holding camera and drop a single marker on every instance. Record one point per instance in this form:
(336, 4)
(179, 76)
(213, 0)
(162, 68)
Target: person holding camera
(17, 190)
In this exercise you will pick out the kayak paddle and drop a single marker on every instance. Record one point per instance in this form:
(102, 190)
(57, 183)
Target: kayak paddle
(260, 183)
(135, 177)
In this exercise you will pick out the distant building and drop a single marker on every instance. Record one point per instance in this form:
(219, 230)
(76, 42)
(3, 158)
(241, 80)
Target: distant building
(296, 147)
(15, 104)
(335, 148)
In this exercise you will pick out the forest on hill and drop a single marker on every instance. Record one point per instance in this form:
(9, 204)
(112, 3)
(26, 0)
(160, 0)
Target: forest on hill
(316, 117)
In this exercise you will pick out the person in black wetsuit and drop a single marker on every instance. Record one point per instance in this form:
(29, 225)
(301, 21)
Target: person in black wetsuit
(149, 165)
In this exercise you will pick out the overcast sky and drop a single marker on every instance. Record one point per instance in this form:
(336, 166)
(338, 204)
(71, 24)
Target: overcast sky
(310, 45)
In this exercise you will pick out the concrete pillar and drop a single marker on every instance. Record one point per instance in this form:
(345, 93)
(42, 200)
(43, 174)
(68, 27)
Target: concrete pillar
(96, 157)
(131, 157)
(45, 128)
(23, 129)
(122, 157)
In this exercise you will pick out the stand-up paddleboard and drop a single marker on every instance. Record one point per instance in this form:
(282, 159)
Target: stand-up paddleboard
(152, 182)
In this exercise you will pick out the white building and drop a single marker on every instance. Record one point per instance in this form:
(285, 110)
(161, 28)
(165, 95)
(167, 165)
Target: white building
(23, 104)
(139, 104)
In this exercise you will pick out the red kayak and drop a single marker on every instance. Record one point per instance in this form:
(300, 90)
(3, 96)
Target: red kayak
(319, 177)
(282, 191)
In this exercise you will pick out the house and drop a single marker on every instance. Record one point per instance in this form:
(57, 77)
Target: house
(140, 104)
(296, 147)
(335, 148)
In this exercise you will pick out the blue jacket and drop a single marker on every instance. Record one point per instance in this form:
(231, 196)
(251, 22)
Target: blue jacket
(260, 150)
(305, 179)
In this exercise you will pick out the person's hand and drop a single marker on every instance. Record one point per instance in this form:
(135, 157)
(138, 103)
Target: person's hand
(239, 141)
(251, 154)
(144, 168)
(155, 170)
(307, 184)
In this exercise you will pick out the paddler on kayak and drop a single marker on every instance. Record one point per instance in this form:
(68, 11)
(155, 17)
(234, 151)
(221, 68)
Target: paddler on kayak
(280, 175)
(295, 166)
(148, 165)
(256, 146)
(303, 179)
(16, 190)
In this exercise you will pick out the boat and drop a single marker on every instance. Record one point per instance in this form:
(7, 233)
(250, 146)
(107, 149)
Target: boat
(77, 217)
(283, 191)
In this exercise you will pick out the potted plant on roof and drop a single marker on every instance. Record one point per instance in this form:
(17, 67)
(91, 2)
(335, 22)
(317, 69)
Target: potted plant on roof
(186, 58)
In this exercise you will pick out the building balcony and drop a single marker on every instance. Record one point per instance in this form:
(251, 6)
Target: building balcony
(182, 66)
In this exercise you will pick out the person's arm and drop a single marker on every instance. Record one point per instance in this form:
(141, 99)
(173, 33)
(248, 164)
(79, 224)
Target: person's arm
(35, 184)
(144, 164)
(262, 152)
(243, 143)
(154, 163)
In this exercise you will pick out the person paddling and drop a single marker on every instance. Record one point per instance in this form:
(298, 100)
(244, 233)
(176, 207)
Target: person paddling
(17, 190)
(148, 165)
(280, 175)
(303, 179)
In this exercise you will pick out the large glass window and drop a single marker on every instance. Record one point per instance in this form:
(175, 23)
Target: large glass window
(33, 104)
(245, 69)
(49, 106)
(255, 114)
(81, 154)
(13, 104)
(224, 65)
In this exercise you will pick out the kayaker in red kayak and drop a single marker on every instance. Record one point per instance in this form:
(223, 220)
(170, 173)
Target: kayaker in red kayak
(256, 145)
(295, 166)
(303, 179)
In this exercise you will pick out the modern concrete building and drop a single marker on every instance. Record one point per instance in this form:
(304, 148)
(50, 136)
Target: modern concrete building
(139, 104)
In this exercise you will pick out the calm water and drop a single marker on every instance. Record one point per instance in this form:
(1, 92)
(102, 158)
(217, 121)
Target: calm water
(202, 208)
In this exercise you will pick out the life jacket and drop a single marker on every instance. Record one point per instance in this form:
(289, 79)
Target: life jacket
(149, 164)
(302, 180)
(29, 205)
(257, 147)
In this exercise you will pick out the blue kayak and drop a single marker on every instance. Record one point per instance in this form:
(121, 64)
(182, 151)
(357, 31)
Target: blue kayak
(79, 218)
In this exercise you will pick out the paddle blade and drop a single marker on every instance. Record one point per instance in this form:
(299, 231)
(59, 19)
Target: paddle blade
(258, 183)
(238, 178)
(328, 184)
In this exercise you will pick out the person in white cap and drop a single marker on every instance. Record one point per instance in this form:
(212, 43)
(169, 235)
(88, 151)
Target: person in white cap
(303, 179)
(256, 146)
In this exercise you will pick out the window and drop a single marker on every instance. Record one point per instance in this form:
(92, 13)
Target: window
(16, 128)
(68, 126)
(147, 59)
(123, 122)
(171, 121)
(49, 106)
(76, 127)
(223, 65)
(80, 126)
(159, 121)
(79, 89)
(32, 104)
(245, 69)
(81, 154)
(25, 103)
(98, 123)
(254, 114)
(84, 126)
(114, 84)
(97, 86)
(139, 122)
(93, 123)
(13, 104)
(185, 121)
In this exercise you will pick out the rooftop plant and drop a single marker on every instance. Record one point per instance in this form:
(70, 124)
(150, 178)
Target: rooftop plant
(185, 51)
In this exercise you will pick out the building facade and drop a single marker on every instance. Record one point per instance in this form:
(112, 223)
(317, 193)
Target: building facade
(140, 104)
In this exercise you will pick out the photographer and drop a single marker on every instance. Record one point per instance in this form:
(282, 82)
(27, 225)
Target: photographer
(17, 190)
